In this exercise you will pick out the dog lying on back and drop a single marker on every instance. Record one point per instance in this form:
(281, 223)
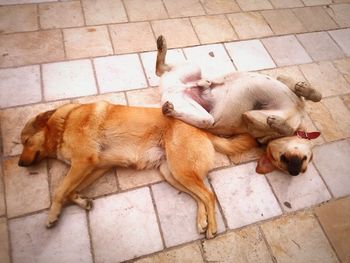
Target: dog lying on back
(92, 138)
(241, 102)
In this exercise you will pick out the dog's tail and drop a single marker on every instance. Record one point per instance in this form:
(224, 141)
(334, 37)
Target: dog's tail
(161, 67)
(233, 145)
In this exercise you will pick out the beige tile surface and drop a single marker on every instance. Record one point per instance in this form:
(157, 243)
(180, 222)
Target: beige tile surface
(342, 38)
(18, 18)
(246, 245)
(286, 50)
(2, 193)
(177, 32)
(61, 15)
(145, 97)
(133, 215)
(320, 46)
(298, 238)
(13, 121)
(118, 73)
(340, 13)
(315, 18)
(183, 8)
(249, 5)
(317, 2)
(32, 185)
(332, 162)
(219, 6)
(68, 79)
(283, 21)
(98, 12)
(250, 25)
(130, 178)
(68, 241)
(141, 10)
(11, 2)
(249, 55)
(340, 113)
(297, 192)
(343, 66)
(346, 100)
(212, 29)
(322, 76)
(187, 254)
(132, 37)
(4, 242)
(292, 72)
(87, 42)
(335, 220)
(31, 48)
(177, 213)
(19, 86)
(286, 3)
(250, 192)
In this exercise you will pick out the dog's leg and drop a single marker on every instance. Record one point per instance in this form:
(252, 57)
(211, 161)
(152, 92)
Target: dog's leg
(76, 174)
(82, 201)
(280, 125)
(161, 67)
(201, 212)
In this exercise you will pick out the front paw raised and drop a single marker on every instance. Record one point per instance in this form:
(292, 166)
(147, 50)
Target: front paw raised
(168, 108)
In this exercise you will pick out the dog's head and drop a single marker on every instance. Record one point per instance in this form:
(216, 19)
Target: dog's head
(33, 138)
(289, 154)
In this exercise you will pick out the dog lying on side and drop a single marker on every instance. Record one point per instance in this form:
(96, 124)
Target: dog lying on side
(241, 102)
(95, 137)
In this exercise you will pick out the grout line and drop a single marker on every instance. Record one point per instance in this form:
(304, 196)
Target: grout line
(83, 12)
(273, 258)
(64, 48)
(125, 11)
(232, 26)
(42, 90)
(166, 9)
(95, 76)
(195, 32)
(229, 56)
(276, 196)
(111, 39)
(88, 225)
(336, 43)
(38, 17)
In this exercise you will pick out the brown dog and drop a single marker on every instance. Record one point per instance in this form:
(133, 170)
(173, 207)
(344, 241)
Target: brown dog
(95, 137)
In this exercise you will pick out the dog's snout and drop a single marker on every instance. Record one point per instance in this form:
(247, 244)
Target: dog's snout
(294, 165)
(23, 163)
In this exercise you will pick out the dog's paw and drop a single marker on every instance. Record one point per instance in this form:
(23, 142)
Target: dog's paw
(160, 43)
(280, 125)
(303, 89)
(204, 84)
(168, 108)
(202, 225)
(51, 222)
(210, 233)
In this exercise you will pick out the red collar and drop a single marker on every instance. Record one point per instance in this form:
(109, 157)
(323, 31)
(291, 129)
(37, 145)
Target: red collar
(307, 135)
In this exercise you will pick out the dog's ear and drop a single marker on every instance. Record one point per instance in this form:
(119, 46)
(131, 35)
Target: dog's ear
(264, 165)
(42, 118)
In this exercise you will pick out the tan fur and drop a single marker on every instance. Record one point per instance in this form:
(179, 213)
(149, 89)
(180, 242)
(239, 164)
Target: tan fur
(95, 137)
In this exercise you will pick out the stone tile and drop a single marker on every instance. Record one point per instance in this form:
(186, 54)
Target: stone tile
(12, 2)
(320, 46)
(297, 192)
(132, 214)
(249, 5)
(213, 29)
(67, 242)
(246, 245)
(212, 59)
(283, 21)
(335, 220)
(340, 13)
(114, 98)
(219, 6)
(2, 194)
(149, 63)
(298, 238)
(61, 15)
(332, 162)
(341, 1)
(286, 3)
(18, 18)
(249, 192)
(13, 121)
(177, 213)
(31, 48)
(346, 100)
(87, 42)
(249, 55)
(183, 8)
(145, 97)
(343, 67)
(310, 127)
(177, 32)
(104, 12)
(286, 50)
(32, 185)
(317, 2)
(250, 25)
(340, 113)
(130, 178)
(342, 38)
(322, 76)
(118, 73)
(142, 10)
(187, 254)
(68, 79)
(4, 242)
(315, 18)
(19, 86)
(105, 185)
(290, 71)
(132, 37)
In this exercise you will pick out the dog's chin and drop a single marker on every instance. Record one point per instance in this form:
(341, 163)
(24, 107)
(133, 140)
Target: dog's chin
(29, 162)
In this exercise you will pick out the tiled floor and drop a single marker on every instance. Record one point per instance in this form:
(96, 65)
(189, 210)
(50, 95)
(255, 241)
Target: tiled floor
(56, 51)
